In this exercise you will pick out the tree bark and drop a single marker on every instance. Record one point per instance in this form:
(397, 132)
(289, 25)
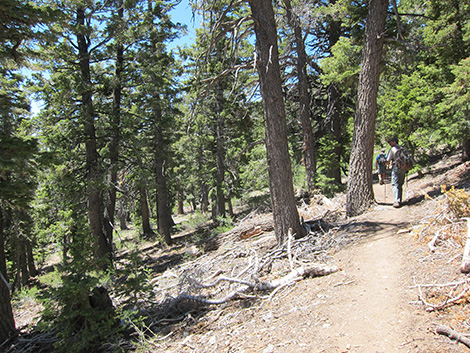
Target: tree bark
(334, 107)
(7, 323)
(102, 253)
(179, 200)
(360, 194)
(204, 199)
(24, 260)
(33, 272)
(308, 147)
(22, 274)
(220, 150)
(115, 123)
(164, 220)
(465, 149)
(3, 262)
(145, 213)
(285, 213)
(122, 215)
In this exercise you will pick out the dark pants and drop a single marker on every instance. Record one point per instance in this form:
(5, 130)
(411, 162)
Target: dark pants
(398, 179)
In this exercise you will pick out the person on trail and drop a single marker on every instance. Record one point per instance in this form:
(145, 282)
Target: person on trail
(398, 174)
(380, 164)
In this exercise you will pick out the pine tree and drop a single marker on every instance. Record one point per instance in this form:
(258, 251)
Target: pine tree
(279, 165)
(360, 194)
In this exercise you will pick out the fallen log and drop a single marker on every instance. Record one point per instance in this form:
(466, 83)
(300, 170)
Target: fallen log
(453, 335)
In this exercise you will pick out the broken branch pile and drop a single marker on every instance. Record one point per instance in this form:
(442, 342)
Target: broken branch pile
(242, 269)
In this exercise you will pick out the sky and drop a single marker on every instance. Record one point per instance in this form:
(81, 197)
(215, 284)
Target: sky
(182, 13)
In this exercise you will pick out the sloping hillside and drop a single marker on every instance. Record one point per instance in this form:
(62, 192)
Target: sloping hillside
(381, 282)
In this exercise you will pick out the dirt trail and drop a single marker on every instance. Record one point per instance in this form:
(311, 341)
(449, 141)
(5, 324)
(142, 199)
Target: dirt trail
(372, 297)
(375, 294)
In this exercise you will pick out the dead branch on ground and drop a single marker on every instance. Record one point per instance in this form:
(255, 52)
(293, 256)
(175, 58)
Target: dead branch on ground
(30, 342)
(448, 301)
(453, 335)
(440, 285)
(465, 266)
(432, 243)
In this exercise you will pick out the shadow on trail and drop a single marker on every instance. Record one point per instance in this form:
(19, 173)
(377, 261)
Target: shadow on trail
(383, 203)
(363, 231)
(367, 228)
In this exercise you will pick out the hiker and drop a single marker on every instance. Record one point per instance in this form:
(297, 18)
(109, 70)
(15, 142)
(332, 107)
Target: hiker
(398, 174)
(380, 164)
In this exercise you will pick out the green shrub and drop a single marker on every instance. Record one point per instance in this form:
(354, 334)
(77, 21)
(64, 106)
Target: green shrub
(80, 312)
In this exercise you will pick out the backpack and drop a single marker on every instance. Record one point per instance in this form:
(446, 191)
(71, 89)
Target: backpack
(403, 159)
(382, 159)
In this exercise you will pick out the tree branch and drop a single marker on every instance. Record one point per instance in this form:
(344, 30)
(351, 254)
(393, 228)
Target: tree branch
(453, 335)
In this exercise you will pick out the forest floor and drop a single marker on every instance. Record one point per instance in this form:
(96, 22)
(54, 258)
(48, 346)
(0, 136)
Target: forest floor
(384, 298)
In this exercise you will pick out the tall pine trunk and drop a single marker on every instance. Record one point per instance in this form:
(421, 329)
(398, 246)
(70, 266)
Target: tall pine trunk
(102, 248)
(334, 107)
(145, 212)
(24, 260)
(220, 150)
(109, 219)
(334, 112)
(360, 194)
(285, 213)
(179, 200)
(122, 215)
(164, 220)
(204, 198)
(32, 270)
(308, 147)
(22, 274)
(3, 262)
(7, 321)
(465, 149)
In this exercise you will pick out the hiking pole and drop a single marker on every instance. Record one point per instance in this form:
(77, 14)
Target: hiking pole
(385, 186)
(385, 192)
(406, 194)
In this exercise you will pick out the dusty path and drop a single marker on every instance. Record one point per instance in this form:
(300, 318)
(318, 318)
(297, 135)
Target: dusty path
(370, 309)
(373, 295)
